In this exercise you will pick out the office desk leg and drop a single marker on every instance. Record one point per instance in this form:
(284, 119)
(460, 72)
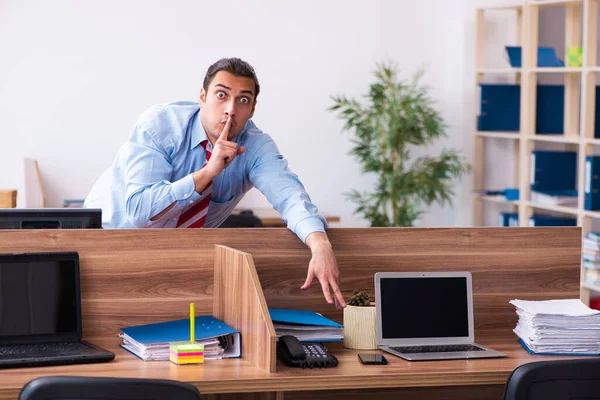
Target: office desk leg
(245, 396)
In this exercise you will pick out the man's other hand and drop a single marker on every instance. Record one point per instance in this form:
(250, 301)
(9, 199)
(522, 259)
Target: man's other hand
(323, 266)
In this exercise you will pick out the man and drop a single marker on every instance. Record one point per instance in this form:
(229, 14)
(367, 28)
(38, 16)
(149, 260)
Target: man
(186, 165)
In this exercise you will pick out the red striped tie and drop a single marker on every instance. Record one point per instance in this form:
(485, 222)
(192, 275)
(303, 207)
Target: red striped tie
(195, 216)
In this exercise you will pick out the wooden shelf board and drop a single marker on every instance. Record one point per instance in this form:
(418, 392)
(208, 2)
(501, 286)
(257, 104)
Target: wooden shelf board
(498, 199)
(549, 207)
(593, 141)
(507, 70)
(554, 138)
(591, 214)
(499, 135)
(501, 7)
(556, 70)
(554, 3)
(589, 286)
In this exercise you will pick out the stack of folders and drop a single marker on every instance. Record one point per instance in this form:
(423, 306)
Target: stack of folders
(307, 326)
(151, 342)
(554, 197)
(558, 327)
(591, 257)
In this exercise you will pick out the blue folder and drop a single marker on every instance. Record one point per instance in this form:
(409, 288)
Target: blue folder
(547, 220)
(546, 57)
(301, 317)
(499, 108)
(206, 327)
(592, 183)
(553, 170)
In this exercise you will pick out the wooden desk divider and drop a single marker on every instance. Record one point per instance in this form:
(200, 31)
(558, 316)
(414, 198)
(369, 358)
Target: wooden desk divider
(239, 301)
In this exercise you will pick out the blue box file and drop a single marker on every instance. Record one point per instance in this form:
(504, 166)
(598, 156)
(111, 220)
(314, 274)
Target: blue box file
(499, 108)
(546, 57)
(592, 183)
(547, 220)
(553, 170)
(505, 218)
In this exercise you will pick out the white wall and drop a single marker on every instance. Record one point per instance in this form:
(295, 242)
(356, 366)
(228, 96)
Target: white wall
(75, 75)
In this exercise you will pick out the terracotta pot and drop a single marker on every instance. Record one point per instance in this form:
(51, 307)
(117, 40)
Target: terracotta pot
(360, 327)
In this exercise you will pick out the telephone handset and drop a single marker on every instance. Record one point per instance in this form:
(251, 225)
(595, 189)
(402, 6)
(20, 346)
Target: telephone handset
(305, 355)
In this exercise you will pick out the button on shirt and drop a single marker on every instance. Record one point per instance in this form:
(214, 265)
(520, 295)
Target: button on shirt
(153, 169)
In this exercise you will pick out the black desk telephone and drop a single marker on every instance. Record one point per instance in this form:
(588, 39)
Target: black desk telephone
(305, 355)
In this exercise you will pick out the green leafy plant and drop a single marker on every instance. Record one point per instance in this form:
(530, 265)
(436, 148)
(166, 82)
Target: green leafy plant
(359, 298)
(396, 118)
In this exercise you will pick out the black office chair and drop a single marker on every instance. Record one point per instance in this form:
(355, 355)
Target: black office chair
(85, 388)
(555, 380)
(245, 219)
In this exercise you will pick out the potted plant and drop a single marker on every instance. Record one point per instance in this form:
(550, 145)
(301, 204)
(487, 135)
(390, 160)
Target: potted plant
(360, 322)
(395, 120)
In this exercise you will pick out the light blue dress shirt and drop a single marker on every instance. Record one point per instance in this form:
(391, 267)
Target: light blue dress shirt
(153, 169)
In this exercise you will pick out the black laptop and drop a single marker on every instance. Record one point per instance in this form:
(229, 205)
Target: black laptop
(40, 312)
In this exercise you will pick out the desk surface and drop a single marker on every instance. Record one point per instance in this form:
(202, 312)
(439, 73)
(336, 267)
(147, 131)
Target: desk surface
(238, 376)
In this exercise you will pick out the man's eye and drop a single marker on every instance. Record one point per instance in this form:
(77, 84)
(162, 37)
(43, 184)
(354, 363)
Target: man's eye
(221, 95)
(244, 100)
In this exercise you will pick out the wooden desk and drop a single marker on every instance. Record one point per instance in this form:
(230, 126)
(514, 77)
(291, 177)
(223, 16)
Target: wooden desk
(456, 379)
(272, 219)
(131, 277)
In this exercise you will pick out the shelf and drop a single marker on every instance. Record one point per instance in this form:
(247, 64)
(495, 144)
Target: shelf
(554, 3)
(561, 209)
(499, 135)
(501, 7)
(592, 141)
(556, 70)
(498, 200)
(498, 70)
(589, 286)
(592, 214)
(592, 69)
(554, 138)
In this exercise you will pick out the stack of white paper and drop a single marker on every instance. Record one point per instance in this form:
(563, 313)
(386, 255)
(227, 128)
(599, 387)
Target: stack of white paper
(160, 351)
(558, 326)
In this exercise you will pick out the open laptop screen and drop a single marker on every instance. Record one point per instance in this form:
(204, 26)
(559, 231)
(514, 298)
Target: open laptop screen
(434, 307)
(39, 297)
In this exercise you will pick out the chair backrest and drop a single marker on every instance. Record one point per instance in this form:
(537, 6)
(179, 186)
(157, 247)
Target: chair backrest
(557, 380)
(244, 220)
(86, 388)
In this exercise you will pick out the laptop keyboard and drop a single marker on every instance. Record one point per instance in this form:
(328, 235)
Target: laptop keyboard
(58, 347)
(437, 348)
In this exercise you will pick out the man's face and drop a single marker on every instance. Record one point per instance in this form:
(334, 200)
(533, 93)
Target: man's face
(227, 95)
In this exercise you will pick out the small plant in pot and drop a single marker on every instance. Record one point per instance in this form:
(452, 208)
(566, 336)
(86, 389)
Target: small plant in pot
(359, 322)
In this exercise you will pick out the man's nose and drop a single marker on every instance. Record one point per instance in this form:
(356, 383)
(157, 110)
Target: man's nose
(230, 108)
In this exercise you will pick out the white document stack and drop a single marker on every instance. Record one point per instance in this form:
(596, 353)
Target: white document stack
(558, 326)
(160, 351)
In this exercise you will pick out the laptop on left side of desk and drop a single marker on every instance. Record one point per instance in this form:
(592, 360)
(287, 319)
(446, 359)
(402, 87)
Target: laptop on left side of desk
(40, 312)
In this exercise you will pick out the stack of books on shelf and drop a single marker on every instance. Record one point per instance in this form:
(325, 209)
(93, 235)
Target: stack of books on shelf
(558, 327)
(591, 258)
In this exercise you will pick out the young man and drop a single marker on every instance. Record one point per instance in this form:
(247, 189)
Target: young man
(186, 165)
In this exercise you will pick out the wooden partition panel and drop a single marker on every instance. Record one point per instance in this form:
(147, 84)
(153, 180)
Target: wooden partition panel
(139, 276)
(240, 303)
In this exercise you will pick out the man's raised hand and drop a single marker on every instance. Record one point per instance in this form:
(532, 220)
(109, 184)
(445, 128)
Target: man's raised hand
(224, 151)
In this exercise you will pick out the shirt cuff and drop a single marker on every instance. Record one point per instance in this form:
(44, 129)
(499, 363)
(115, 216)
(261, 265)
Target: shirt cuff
(184, 188)
(316, 223)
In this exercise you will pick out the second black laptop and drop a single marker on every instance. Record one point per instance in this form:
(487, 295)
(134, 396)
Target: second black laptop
(40, 312)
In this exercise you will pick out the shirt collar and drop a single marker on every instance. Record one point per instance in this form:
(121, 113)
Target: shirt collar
(199, 134)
